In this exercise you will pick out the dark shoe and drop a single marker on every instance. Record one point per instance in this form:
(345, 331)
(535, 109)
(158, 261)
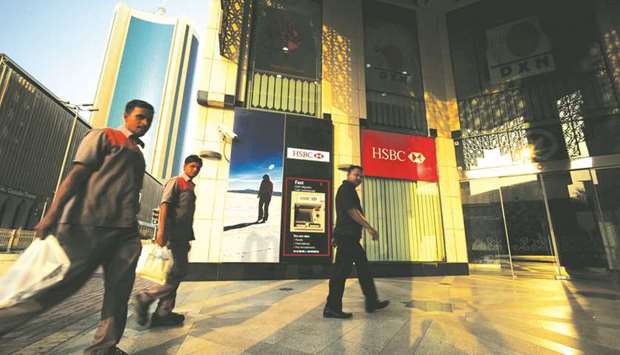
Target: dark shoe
(116, 351)
(371, 307)
(330, 313)
(170, 320)
(142, 310)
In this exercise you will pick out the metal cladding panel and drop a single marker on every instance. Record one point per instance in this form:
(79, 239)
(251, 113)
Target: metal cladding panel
(33, 134)
(407, 215)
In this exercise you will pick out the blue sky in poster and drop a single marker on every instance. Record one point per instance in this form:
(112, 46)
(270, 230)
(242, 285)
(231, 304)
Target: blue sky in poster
(257, 151)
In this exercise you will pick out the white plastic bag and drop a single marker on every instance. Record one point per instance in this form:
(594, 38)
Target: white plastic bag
(154, 264)
(43, 264)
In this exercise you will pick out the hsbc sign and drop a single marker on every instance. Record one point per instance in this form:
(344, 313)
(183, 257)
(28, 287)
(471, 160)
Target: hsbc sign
(399, 156)
(307, 154)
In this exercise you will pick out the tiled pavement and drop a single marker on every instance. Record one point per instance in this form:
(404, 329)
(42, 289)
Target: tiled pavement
(478, 314)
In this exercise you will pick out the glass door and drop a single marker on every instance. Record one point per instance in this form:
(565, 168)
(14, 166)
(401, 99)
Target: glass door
(573, 209)
(607, 188)
(547, 225)
(507, 227)
(532, 251)
(487, 242)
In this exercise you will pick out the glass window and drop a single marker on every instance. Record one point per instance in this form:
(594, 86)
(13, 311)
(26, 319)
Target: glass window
(528, 78)
(287, 37)
(394, 93)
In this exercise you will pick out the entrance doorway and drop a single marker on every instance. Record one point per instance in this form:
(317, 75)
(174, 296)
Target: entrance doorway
(549, 225)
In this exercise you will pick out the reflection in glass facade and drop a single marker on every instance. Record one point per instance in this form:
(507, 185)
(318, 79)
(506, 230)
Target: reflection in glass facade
(394, 93)
(563, 101)
(534, 86)
(142, 73)
(285, 58)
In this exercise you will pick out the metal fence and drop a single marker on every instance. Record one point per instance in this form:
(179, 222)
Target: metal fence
(13, 240)
(17, 240)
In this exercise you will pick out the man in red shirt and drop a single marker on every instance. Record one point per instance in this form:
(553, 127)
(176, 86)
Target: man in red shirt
(176, 219)
(94, 217)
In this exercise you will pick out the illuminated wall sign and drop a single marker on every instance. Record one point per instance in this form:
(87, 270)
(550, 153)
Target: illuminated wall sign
(518, 50)
(398, 156)
(307, 208)
(307, 154)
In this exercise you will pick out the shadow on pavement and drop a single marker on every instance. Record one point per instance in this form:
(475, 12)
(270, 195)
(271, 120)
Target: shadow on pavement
(240, 225)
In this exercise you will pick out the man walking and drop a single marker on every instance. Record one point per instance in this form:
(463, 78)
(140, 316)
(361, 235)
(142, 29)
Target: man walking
(264, 198)
(94, 217)
(347, 234)
(176, 218)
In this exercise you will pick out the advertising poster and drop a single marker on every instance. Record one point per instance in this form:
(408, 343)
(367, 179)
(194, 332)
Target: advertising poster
(253, 200)
(306, 216)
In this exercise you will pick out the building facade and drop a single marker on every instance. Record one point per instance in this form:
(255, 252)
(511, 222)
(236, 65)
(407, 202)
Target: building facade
(487, 129)
(153, 58)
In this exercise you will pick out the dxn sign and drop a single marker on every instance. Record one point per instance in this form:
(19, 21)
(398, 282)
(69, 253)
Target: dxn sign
(399, 156)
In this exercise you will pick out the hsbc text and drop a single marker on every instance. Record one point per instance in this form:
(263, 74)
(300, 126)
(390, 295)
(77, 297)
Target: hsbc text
(388, 154)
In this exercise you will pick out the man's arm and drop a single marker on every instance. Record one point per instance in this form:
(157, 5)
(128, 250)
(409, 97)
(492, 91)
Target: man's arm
(360, 219)
(73, 183)
(161, 230)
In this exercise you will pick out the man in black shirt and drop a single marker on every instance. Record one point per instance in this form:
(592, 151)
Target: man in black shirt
(264, 198)
(347, 234)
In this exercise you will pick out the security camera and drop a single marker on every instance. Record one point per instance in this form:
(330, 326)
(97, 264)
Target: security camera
(227, 133)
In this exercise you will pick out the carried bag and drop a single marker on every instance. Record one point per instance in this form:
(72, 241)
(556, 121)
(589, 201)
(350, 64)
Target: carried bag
(154, 264)
(43, 264)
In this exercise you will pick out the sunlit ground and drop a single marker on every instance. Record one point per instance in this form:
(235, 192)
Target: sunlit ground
(479, 314)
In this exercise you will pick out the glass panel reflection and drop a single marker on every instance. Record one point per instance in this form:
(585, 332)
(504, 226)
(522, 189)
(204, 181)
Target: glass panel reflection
(573, 206)
(607, 187)
(484, 225)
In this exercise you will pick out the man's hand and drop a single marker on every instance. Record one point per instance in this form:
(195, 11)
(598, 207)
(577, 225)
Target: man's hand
(373, 232)
(45, 226)
(160, 239)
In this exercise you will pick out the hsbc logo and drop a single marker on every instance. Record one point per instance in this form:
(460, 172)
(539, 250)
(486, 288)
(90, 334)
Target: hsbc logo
(389, 154)
(307, 154)
(398, 156)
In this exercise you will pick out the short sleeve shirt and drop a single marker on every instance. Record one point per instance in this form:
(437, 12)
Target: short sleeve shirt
(180, 196)
(346, 199)
(111, 197)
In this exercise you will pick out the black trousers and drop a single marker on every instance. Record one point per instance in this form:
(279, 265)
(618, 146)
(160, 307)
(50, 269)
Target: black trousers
(350, 251)
(167, 293)
(87, 247)
(263, 208)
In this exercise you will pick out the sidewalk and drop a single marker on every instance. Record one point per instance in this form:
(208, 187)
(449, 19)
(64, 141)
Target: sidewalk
(479, 314)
